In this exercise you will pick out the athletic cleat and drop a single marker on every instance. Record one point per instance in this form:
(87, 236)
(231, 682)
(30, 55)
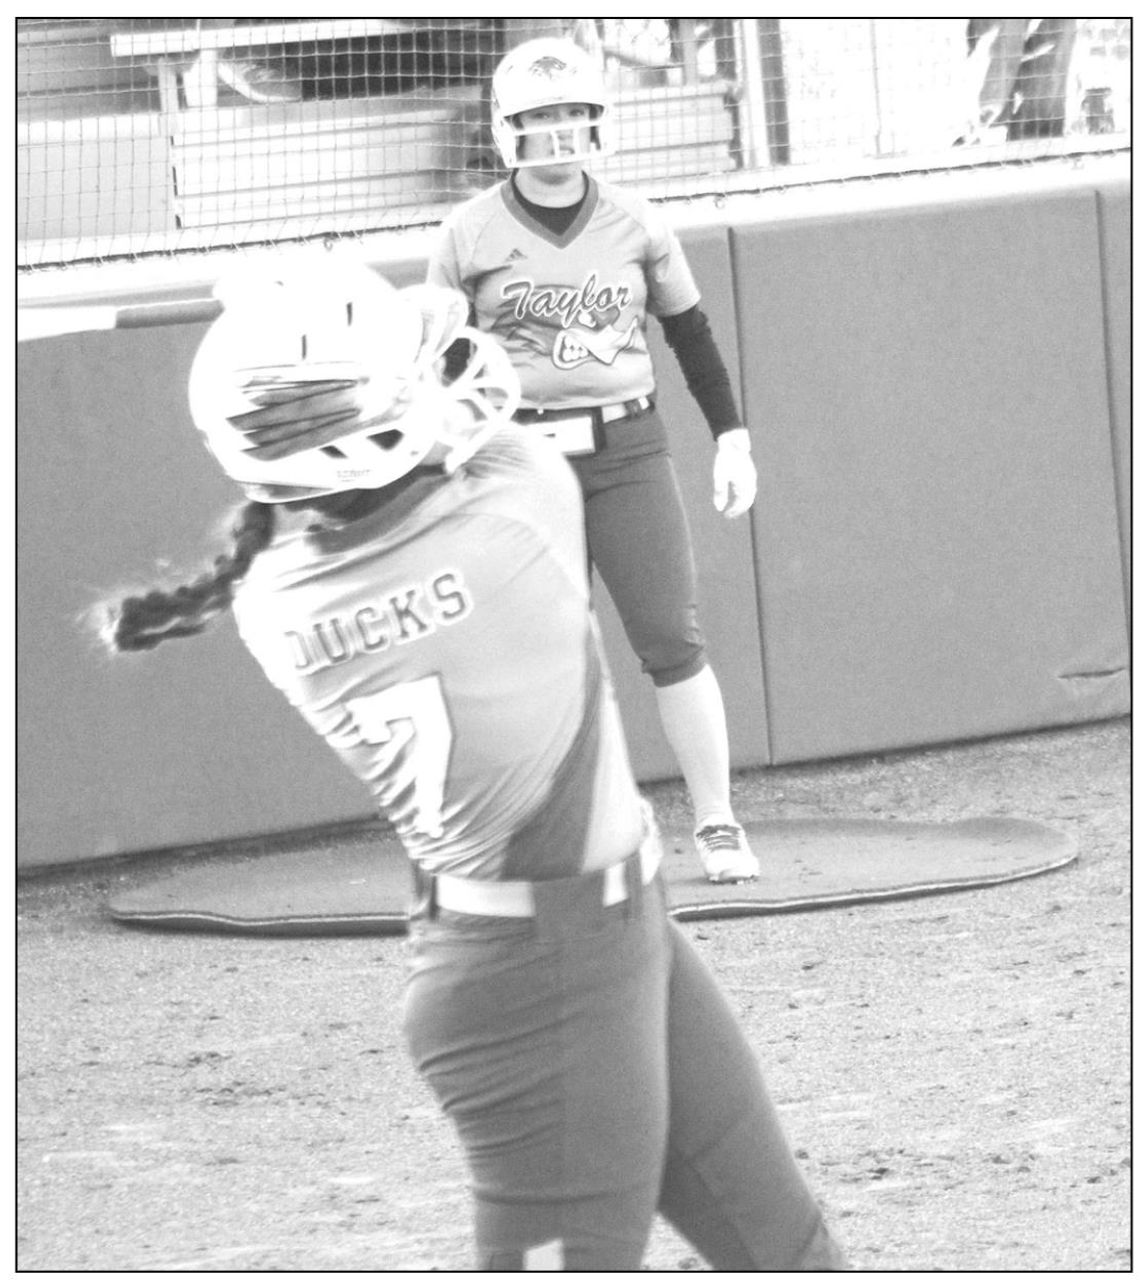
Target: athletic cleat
(725, 853)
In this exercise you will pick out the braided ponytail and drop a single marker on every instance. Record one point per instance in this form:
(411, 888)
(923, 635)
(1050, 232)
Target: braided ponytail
(143, 621)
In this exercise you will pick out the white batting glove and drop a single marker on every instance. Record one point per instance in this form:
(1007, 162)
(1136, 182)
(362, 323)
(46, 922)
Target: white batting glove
(734, 476)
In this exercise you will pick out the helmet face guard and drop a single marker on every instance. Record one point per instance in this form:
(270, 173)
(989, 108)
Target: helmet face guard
(547, 73)
(353, 370)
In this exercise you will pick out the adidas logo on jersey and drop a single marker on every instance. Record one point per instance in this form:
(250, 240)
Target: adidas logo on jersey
(515, 255)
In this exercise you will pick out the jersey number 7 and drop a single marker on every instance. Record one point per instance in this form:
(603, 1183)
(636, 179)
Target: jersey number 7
(411, 725)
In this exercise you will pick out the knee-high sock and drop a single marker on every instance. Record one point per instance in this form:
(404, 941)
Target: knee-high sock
(692, 716)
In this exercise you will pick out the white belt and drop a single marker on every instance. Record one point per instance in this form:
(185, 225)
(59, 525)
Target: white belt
(573, 432)
(611, 413)
(516, 898)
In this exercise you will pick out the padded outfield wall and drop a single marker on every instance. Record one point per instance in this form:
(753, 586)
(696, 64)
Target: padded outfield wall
(937, 378)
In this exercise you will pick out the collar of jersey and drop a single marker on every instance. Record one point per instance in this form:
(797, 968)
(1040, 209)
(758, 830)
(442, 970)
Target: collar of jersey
(384, 520)
(511, 200)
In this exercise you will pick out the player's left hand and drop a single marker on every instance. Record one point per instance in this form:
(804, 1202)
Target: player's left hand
(734, 476)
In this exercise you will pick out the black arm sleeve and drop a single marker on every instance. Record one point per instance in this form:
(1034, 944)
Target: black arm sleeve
(691, 339)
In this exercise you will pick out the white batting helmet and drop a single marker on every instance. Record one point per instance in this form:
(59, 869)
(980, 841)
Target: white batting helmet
(546, 73)
(350, 369)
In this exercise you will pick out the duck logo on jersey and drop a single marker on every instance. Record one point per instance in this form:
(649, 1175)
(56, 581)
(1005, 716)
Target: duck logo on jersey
(597, 337)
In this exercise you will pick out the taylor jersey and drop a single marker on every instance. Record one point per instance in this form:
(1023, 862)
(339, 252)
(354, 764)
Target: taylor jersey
(570, 309)
(445, 648)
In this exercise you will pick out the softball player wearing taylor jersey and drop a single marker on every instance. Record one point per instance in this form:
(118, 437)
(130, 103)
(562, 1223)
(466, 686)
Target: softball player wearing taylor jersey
(564, 270)
(423, 602)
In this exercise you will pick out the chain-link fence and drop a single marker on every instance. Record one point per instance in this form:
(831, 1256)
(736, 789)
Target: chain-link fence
(144, 136)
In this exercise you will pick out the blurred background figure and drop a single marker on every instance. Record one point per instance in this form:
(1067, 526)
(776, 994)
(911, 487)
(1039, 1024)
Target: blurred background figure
(1022, 68)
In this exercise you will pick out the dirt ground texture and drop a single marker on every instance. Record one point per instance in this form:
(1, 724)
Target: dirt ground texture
(953, 1070)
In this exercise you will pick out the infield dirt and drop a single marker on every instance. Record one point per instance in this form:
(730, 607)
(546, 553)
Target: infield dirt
(953, 1071)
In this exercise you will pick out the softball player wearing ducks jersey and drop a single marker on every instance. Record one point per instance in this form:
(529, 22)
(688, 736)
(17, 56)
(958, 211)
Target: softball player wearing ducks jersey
(410, 572)
(563, 270)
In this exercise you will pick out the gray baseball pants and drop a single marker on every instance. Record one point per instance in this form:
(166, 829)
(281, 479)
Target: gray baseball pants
(597, 1076)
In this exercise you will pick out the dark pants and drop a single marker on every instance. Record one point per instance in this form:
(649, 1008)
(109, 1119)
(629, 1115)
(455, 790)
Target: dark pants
(638, 538)
(597, 1075)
